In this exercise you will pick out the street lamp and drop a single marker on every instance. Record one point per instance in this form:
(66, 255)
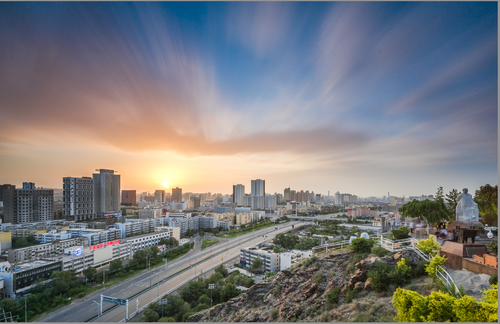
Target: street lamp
(211, 286)
(97, 309)
(103, 279)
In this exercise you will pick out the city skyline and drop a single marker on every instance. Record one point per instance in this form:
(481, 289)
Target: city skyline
(360, 98)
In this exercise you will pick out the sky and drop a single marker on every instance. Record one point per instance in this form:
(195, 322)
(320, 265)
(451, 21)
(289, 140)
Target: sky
(358, 97)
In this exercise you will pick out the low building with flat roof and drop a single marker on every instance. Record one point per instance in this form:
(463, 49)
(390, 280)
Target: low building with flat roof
(140, 242)
(22, 277)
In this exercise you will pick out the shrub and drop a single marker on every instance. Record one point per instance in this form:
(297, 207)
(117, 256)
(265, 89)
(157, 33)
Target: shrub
(317, 278)
(420, 268)
(362, 245)
(349, 295)
(350, 268)
(441, 307)
(359, 256)
(274, 314)
(378, 277)
(333, 295)
(379, 251)
(435, 263)
(325, 317)
(493, 247)
(494, 279)
(428, 246)
(277, 290)
(400, 233)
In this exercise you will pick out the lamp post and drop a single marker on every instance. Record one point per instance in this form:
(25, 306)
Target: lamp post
(103, 279)
(149, 270)
(211, 286)
(97, 309)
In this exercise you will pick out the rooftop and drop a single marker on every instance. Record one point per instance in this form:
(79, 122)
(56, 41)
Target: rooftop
(31, 265)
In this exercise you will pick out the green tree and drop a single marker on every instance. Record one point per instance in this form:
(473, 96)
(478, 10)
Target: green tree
(439, 193)
(115, 266)
(166, 319)
(431, 211)
(90, 273)
(487, 200)
(256, 265)
(62, 281)
(151, 315)
(204, 299)
(229, 291)
(451, 199)
(222, 270)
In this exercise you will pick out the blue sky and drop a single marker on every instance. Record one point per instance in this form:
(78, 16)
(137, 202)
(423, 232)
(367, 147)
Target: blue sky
(360, 97)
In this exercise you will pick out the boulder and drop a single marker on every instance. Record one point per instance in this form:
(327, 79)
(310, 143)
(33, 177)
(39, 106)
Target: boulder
(359, 285)
(367, 284)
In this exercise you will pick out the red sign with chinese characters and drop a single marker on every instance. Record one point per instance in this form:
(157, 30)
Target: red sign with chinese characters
(98, 246)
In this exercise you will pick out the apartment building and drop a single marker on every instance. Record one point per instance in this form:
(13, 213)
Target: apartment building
(106, 191)
(225, 223)
(175, 232)
(28, 204)
(270, 260)
(150, 213)
(136, 226)
(207, 222)
(96, 236)
(53, 236)
(78, 198)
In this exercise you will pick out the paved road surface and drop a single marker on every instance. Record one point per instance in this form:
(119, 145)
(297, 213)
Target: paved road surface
(84, 310)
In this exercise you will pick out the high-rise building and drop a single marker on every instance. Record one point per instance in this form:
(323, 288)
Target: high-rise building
(129, 198)
(293, 195)
(176, 195)
(159, 196)
(106, 191)
(8, 192)
(287, 194)
(338, 198)
(78, 198)
(258, 189)
(33, 205)
(196, 202)
(238, 193)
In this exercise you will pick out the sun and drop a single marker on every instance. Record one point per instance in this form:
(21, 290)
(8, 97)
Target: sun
(165, 184)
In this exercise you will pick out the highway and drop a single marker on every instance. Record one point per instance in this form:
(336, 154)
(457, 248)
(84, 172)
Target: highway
(87, 309)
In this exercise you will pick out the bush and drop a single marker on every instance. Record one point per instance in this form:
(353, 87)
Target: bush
(350, 268)
(400, 233)
(277, 290)
(274, 314)
(317, 278)
(441, 307)
(493, 247)
(494, 279)
(333, 295)
(379, 251)
(359, 256)
(428, 246)
(420, 268)
(362, 245)
(378, 277)
(435, 263)
(349, 295)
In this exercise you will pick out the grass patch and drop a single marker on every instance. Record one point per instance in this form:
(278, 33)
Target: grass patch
(208, 243)
(247, 230)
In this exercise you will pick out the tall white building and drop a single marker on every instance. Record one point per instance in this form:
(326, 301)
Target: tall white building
(106, 191)
(271, 201)
(78, 198)
(258, 187)
(238, 193)
(258, 194)
(337, 198)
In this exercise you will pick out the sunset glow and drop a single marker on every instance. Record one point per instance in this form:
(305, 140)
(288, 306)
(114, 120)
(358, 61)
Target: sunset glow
(360, 97)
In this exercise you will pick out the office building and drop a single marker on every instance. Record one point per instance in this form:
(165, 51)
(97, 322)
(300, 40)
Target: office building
(45, 250)
(106, 191)
(22, 277)
(129, 198)
(32, 205)
(77, 258)
(78, 198)
(177, 195)
(238, 194)
(175, 232)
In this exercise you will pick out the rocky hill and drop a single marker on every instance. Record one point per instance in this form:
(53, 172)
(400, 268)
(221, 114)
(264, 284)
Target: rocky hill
(299, 293)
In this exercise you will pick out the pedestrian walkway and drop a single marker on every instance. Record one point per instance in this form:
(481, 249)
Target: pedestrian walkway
(473, 283)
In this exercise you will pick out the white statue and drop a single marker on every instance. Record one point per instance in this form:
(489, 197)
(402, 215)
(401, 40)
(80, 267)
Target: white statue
(467, 210)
